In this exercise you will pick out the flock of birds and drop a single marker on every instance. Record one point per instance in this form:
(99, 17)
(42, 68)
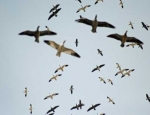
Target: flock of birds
(61, 48)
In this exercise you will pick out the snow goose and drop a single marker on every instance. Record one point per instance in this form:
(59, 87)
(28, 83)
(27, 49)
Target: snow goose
(54, 77)
(144, 26)
(94, 23)
(100, 52)
(83, 8)
(38, 33)
(124, 38)
(121, 3)
(131, 24)
(26, 91)
(54, 13)
(71, 89)
(147, 97)
(61, 68)
(98, 67)
(76, 42)
(102, 79)
(127, 73)
(98, 1)
(79, 1)
(52, 109)
(75, 107)
(110, 100)
(121, 72)
(61, 48)
(54, 8)
(109, 80)
(51, 96)
(93, 107)
(118, 66)
(30, 108)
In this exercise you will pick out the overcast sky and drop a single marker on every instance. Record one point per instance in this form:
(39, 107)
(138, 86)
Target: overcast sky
(25, 63)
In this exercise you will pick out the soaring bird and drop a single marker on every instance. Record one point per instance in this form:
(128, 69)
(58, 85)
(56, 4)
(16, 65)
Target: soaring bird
(75, 107)
(93, 107)
(121, 71)
(124, 38)
(38, 33)
(26, 91)
(80, 104)
(83, 8)
(147, 97)
(121, 3)
(144, 26)
(52, 109)
(54, 77)
(94, 23)
(102, 79)
(118, 66)
(127, 73)
(98, 68)
(54, 8)
(30, 108)
(109, 80)
(61, 68)
(61, 48)
(79, 1)
(54, 13)
(51, 96)
(76, 42)
(100, 52)
(71, 89)
(98, 1)
(110, 100)
(131, 24)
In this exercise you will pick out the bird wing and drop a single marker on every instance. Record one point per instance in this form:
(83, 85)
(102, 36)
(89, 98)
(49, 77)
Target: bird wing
(57, 70)
(85, 21)
(71, 52)
(47, 32)
(90, 108)
(74, 107)
(101, 65)
(28, 33)
(147, 96)
(105, 24)
(52, 44)
(46, 97)
(133, 39)
(94, 69)
(49, 111)
(115, 36)
(51, 16)
(80, 1)
(96, 105)
(57, 10)
(55, 107)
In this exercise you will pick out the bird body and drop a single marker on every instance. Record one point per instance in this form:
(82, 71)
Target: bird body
(118, 66)
(76, 42)
(98, 1)
(30, 108)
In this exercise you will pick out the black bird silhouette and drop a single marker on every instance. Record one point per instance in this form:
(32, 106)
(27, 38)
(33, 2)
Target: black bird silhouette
(147, 97)
(76, 42)
(54, 8)
(52, 109)
(98, 67)
(144, 26)
(54, 13)
(79, 1)
(93, 107)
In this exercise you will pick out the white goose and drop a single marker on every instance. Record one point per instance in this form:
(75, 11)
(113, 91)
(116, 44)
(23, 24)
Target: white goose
(118, 66)
(128, 73)
(51, 96)
(30, 108)
(131, 24)
(54, 77)
(83, 8)
(98, 1)
(26, 91)
(121, 72)
(102, 79)
(61, 68)
(110, 100)
(61, 48)
(109, 80)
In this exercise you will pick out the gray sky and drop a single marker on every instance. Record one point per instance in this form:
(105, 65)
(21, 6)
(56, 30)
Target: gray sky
(25, 63)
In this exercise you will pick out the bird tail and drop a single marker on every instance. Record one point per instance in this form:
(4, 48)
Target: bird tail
(36, 40)
(122, 45)
(58, 54)
(93, 30)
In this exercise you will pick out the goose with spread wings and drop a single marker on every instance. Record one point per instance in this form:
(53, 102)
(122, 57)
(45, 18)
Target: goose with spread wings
(54, 13)
(52, 109)
(38, 33)
(61, 48)
(51, 96)
(61, 68)
(110, 100)
(94, 23)
(144, 26)
(93, 107)
(54, 77)
(83, 8)
(54, 8)
(98, 67)
(118, 66)
(124, 38)
(26, 91)
(30, 108)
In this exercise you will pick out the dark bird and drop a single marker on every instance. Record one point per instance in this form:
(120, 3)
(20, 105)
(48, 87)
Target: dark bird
(121, 3)
(147, 97)
(100, 52)
(121, 71)
(61, 68)
(76, 42)
(93, 107)
(71, 89)
(52, 109)
(124, 38)
(144, 25)
(75, 107)
(94, 23)
(79, 1)
(80, 104)
(54, 8)
(54, 13)
(98, 1)
(98, 67)
(38, 33)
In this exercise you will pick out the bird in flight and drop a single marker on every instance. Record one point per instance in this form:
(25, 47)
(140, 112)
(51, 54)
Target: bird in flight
(93, 107)
(100, 52)
(147, 97)
(98, 67)
(26, 91)
(54, 13)
(144, 26)
(98, 1)
(30, 108)
(52, 109)
(76, 42)
(121, 3)
(127, 73)
(110, 100)
(121, 71)
(94, 23)
(109, 80)
(131, 24)
(102, 79)
(124, 38)
(61, 68)
(54, 77)
(79, 1)
(61, 48)
(71, 89)
(118, 66)
(51, 96)
(83, 8)
(54, 8)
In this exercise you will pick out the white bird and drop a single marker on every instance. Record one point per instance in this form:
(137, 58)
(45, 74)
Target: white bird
(131, 24)
(128, 73)
(102, 79)
(121, 3)
(61, 68)
(110, 100)
(51, 96)
(109, 80)
(98, 1)
(26, 91)
(118, 66)
(30, 108)
(54, 77)
(61, 48)
(71, 89)
(83, 8)
(121, 71)
(98, 67)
